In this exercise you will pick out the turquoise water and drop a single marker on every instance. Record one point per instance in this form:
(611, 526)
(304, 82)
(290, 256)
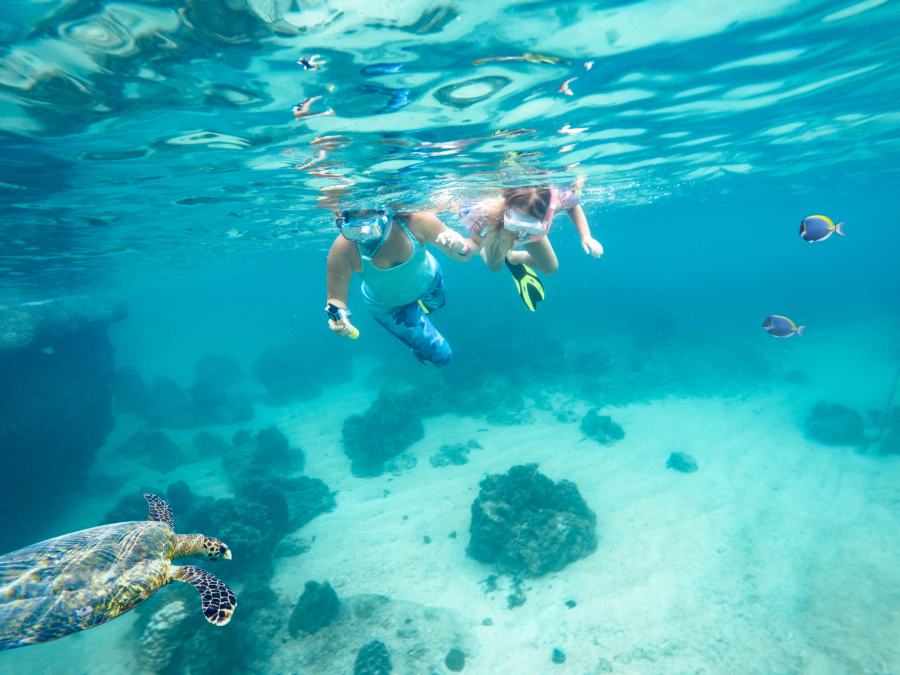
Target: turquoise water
(152, 158)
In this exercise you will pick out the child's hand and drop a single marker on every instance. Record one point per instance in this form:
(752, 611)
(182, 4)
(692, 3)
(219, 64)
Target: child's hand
(453, 241)
(592, 246)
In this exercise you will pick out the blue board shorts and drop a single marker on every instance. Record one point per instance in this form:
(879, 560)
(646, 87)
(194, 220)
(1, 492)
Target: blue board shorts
(414, 328)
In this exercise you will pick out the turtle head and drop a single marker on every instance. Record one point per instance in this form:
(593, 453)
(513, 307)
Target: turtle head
(213, 549)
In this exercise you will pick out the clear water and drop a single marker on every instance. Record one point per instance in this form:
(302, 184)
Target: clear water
(150, 154)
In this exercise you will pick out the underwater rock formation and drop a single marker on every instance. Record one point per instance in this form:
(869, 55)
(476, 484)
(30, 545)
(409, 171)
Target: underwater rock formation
(56, 393)
(165, 404)
(890, 441)
(373, 659)
(316, 609)
(154, 449)
(457, 454)
(683, 462)
(835, 424)
(207, 445)
(386, 429)
(160, 638)
(601, 428)
(290, 374)
(455, 660)
(527, 525)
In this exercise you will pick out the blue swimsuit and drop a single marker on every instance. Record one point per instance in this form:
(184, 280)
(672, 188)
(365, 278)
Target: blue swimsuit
(393, 296)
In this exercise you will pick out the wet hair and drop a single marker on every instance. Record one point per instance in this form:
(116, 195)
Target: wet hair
(531, 200)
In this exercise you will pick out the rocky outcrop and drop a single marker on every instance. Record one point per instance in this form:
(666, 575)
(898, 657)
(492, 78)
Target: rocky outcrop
(387, 428)
(527, 525)
(55, 404)
(315, 610)
(601, 428)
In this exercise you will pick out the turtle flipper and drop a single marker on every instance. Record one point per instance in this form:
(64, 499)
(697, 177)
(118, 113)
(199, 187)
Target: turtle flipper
(219, 601)
(160, 510)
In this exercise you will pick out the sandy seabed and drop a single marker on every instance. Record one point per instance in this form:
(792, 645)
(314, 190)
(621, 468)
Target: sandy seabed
(778, 556)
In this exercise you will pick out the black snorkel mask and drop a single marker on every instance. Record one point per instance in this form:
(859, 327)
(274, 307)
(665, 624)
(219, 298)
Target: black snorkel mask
(367, 229)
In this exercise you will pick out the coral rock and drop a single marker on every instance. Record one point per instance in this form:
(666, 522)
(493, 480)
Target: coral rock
(387, 429)
(682, 462)
(316, 609)
(373, 659)
(601, 428)
(835, 424)
(455, 660)
(160, 638)
(527, 525)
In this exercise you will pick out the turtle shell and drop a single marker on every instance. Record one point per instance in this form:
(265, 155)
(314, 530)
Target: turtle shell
(77, 581)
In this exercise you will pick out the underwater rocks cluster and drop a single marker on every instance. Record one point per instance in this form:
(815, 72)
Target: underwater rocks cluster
(165, 404)
(55, 404)
(835, 424)
(367, 635)
(601, 428)
(526, 525)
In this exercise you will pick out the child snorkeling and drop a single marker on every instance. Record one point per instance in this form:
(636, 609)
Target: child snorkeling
(402, 282)
(521, 217)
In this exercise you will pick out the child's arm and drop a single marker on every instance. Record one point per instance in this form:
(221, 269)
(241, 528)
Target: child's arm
(435, 232)
(340, 270)
(588, 243)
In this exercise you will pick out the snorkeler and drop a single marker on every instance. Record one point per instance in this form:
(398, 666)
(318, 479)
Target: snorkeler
(402, 282)
(521, 217)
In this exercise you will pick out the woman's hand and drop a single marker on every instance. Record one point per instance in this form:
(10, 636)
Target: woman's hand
(453, 241)
(592, 246)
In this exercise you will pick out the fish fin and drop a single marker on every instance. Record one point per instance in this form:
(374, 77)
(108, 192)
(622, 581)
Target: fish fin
(839, 228)
(800, 330)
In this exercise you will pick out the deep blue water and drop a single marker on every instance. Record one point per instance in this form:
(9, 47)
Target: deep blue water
(151, 156)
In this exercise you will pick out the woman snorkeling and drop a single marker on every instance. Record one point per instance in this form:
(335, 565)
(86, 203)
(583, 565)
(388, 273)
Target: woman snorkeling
(402, 282)
(521, 217)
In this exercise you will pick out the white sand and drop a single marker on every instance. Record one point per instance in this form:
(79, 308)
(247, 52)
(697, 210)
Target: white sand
(778, 556)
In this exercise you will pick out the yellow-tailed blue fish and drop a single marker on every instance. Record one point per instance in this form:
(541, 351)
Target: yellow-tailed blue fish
(781, 326)
(819, 228)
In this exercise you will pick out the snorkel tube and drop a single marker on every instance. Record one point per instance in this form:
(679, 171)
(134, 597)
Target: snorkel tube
(339, 315)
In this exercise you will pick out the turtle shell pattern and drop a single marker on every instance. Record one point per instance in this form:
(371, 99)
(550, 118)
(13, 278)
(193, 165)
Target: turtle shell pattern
(80, 580)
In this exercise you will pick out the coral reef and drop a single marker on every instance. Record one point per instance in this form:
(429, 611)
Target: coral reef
(373, 659)
(56, 394)
(527, 525)
(835, 424)
(207, 445)
(400, 463)
(316, 609)
(291, 546)
(290, 374)
(160, 638)
(387, 428)
(683, 462)
(601, 428)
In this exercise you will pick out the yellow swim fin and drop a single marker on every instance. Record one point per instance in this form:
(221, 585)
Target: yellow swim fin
(530, 288)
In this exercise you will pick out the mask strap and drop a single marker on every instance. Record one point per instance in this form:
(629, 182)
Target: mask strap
(551, 210)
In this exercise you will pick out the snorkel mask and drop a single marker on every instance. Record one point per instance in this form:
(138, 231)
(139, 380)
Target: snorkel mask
(528, 225)
(366, 228)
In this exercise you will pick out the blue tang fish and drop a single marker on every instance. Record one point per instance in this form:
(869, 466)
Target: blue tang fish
(819, 228)
(781, 326)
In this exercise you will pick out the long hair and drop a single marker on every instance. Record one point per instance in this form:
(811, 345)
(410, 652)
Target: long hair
(531, 200)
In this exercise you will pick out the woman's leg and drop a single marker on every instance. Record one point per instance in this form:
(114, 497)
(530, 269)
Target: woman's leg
(538, 255)
(410, 324)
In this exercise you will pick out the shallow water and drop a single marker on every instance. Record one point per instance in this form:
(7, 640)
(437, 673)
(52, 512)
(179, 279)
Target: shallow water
(151, 157)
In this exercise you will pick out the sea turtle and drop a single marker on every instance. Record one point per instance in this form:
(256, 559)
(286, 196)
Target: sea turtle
(80, 580)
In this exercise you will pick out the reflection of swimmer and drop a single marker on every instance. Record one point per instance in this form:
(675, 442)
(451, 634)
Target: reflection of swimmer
(311, 62)
(530, 57)
(301, 110)
(402, 282)
(382, 69)
(521, 217)
(564, 87)
(399, 97)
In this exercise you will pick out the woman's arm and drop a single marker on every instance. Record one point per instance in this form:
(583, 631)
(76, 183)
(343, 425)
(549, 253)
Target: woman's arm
(588, 243)
(429, 227)
(340, 270)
